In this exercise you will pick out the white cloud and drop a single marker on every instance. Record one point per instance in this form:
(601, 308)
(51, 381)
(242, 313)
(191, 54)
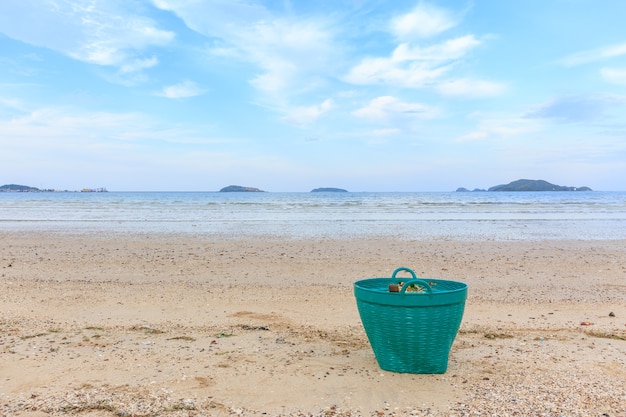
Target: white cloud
(71, 131)
(305, 115)
(113, 41)
(109, 34)
(185, 89)
(475, 135)
(445, 51)
(412, 66)
(138, 65)
(501, 127)
(593, 55)
(386, 132)
(71, 149)
(380, 71)
(278, 76)
(292, 53)
(423, 21)
(614, 76)
(387, 107)
(577, 109)
(288, 52)
(59, 139)
(12, 103)
(217, 18)
(470, 88)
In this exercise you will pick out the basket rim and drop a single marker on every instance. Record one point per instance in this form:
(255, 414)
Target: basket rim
(386, 281)
(381, 295)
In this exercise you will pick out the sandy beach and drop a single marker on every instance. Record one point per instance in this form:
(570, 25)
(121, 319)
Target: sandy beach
(182, 325)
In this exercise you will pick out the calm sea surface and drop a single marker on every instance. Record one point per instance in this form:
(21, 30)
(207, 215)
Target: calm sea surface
(451, 215)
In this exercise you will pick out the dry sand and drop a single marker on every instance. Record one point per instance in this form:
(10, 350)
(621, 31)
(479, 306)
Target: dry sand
(163, 325)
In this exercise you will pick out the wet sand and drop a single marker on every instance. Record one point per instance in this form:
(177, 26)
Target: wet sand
(180, 325)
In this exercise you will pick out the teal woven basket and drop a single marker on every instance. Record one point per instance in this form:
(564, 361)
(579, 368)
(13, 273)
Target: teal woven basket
(411, 332)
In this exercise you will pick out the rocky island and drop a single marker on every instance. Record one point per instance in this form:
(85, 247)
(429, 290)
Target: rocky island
(15, 188)
(529, 185)
(239, 189)
(329, 190)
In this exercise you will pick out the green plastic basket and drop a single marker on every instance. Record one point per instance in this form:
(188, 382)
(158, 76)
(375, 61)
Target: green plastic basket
(411, 332)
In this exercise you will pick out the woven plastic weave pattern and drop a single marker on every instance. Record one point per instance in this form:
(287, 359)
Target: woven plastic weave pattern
(411, 332)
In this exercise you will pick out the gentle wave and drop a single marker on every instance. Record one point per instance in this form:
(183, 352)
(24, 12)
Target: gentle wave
(473, 216)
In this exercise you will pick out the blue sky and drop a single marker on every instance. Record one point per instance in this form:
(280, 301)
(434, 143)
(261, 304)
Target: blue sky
(366, 95)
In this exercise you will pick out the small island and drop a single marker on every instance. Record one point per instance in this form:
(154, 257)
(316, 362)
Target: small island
(240, 189)
(15, 188)
(465, 190)
(529, 185)
(329, 190)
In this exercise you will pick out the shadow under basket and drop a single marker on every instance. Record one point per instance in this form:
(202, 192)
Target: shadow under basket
(411, 330)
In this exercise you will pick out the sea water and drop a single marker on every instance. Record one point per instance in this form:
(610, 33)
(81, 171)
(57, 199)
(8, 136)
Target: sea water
(332, 215)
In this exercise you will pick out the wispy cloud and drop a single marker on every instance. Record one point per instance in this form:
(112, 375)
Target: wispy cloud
(71, 131)
(138, 64)
(386, 132)
(411, 64)
(594, 55)
(498, 127)
(470, 88)
(184, 89)
(305, 115)
(60, 127)
(109, 35)
(217, 18)
(292, 53)
(576, 109)
(445, 51)
(386, 71)
(423, 21)
(288, 52)
(12, 103)
(387, 108)
(614, 75)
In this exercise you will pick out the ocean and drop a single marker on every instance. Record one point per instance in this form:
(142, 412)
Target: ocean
(474, 216)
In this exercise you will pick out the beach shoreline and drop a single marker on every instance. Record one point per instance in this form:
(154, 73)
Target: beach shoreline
(191, 325)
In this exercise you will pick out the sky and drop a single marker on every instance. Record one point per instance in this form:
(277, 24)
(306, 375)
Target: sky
(292, 95)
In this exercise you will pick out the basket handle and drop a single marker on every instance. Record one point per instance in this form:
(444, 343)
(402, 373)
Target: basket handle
(414, 280)
(402, 268)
